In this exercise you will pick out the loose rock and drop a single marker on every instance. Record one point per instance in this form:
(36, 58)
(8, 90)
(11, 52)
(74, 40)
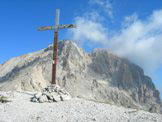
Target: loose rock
(37, 95)
(4, 99)
(34, 99)
(65, 97)
(43, 99)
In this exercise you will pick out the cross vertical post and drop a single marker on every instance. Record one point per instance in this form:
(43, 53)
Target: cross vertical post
(55, 49)
(56, 28)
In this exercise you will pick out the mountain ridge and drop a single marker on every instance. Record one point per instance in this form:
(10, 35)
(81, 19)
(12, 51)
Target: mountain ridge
(101, 76)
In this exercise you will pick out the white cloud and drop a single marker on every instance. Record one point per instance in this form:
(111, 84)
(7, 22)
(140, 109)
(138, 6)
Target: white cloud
(89, 30)
(141, 41)
(129, 20)
(104, 5)
(138, 40)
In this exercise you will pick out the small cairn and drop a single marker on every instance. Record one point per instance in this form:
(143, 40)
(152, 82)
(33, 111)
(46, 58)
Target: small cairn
(51, 94)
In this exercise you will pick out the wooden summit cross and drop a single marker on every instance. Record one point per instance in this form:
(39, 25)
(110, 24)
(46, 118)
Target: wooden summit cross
(56, 28)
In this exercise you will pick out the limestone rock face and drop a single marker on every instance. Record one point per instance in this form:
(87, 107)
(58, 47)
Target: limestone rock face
(100, 76)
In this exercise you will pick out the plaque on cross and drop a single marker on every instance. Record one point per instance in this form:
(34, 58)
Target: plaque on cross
(56, 28)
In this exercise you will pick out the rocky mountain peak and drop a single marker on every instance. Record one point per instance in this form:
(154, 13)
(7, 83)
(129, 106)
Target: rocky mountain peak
(100, 76)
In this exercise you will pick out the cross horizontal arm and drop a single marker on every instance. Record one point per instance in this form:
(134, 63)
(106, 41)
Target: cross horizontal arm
(54, 28)
(46, 28)
(67, 26)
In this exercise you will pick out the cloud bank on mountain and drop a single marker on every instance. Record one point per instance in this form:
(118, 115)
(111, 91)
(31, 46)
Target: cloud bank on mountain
(138, 40)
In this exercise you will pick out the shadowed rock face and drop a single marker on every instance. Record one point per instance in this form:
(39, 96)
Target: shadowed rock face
(100, 76)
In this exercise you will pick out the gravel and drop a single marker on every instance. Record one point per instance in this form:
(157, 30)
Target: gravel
(21, 109)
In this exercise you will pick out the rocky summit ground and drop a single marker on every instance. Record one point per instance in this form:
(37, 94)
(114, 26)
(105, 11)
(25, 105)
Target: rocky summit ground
(21, 109)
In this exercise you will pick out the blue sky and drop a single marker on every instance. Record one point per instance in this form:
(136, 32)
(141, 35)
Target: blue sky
(130, 28)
